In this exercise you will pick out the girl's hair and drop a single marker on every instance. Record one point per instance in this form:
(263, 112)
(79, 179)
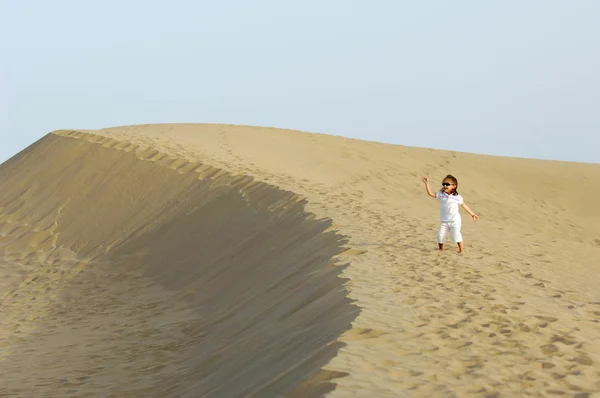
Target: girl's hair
(454, 181)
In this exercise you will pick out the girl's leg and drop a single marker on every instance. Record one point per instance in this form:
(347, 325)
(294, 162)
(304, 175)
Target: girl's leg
(441, 235)
(457, 237)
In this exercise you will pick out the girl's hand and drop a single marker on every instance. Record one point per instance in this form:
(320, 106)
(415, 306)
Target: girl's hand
(425, 179)
(475, 217)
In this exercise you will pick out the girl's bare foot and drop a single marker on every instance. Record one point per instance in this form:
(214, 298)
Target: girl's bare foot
(441, 246)
(461, 248)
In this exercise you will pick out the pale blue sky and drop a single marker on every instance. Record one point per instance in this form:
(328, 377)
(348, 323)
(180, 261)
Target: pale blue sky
(512, 78)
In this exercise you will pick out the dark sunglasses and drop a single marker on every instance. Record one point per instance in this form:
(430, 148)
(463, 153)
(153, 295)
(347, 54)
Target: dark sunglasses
(446, 184)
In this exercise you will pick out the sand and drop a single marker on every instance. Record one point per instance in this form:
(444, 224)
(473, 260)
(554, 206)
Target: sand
(216, 260)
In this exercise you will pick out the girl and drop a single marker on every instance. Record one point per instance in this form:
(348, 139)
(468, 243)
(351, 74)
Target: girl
(450, 219)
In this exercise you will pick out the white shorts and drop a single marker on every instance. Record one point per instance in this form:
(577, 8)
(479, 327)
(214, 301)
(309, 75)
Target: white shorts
(453, 227)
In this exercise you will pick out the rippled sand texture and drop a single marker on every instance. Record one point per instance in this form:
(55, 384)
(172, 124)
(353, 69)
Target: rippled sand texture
(128, 273)
(184, 260)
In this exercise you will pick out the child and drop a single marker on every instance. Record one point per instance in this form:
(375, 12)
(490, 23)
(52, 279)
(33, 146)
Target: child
(450, 219)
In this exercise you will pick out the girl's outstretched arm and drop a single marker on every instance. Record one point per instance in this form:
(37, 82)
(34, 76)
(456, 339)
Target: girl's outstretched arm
(429, 191)
(468, 210)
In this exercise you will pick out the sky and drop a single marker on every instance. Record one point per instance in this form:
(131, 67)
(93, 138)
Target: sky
(507, 78)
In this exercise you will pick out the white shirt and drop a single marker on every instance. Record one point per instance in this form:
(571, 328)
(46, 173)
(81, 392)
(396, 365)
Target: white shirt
(449, 206)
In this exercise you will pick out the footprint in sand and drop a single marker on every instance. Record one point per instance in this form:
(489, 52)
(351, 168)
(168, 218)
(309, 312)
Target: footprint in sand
(362, 333)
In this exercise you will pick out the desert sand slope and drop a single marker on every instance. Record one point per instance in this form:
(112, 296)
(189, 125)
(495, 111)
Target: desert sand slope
(203, 272)
(129, 273)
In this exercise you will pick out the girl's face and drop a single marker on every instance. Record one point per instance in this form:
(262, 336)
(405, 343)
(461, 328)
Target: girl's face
(448, 186)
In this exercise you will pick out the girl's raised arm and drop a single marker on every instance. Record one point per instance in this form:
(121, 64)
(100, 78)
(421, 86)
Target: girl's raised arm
(429, 191)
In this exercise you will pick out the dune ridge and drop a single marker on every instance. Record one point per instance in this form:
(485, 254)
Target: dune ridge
(132, 273)
(518, 314)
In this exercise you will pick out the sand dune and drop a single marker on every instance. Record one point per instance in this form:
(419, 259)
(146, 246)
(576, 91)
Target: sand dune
(218, 260)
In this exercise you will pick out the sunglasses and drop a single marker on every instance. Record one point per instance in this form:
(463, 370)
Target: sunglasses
(446, 184)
